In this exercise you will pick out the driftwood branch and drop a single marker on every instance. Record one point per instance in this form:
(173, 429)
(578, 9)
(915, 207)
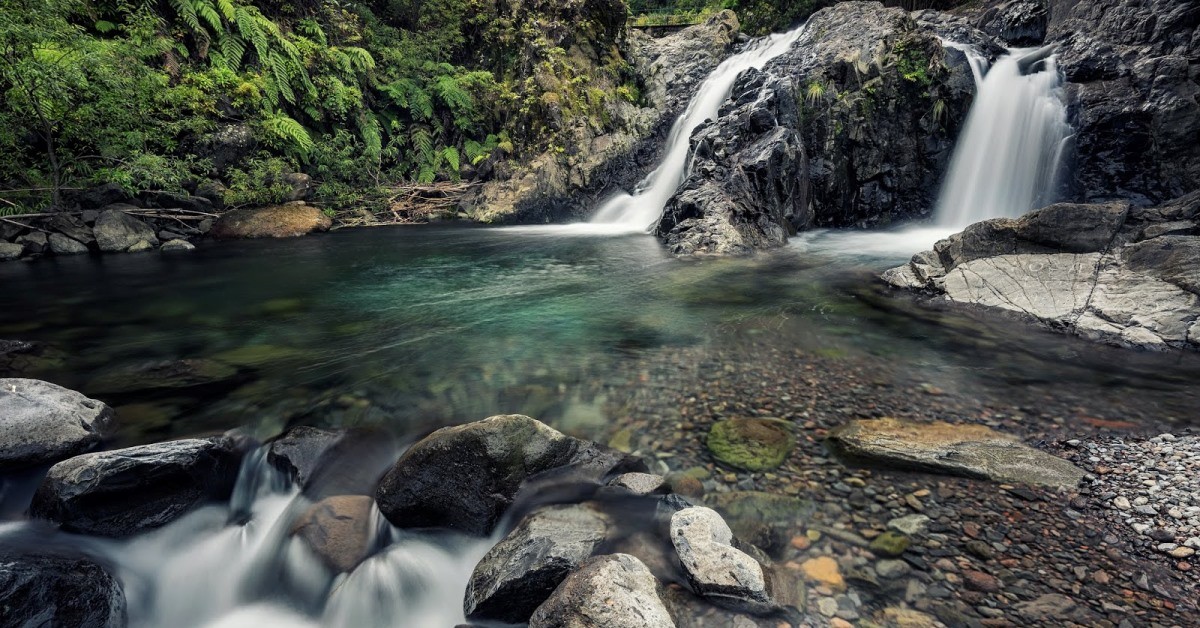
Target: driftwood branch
(407, 204)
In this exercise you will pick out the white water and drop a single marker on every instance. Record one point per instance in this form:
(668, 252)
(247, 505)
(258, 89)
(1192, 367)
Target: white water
(638, 212)
(1008, 156)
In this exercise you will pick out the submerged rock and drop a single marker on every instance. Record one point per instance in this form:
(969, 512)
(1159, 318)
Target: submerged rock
(522, 570)
(128, 491)
(612, 590)
(751, 444)
(340, 530)
(465, 477)
(117, 231)
(974, 451)
(168, 374)
(42, 423)
(43, 589)
(716, 570)
(766, 520)
(278, 221)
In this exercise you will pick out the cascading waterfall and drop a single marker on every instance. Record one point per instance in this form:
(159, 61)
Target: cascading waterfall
(639, 211)
(1007, 159)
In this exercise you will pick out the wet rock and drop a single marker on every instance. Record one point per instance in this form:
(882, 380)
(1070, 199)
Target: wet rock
(521, 571)
(140, 247)
(128, 491)
(178, 245)
(117, 231)
(613, 590)
(716, 570)
(278, 221)
(1046, 608)
(340, 530)
(889, 544)
(465, 477)
(640, 483)
(300, 186)
(750, 444)
(103, 195)
(10, 251)
(62, 245)
(298, 451)
(1020, 23)
(909, 525)
(45, 589)
(42, 423)
(824, 570)
(967, 450)
(171, 374)
(766, 520)
(214, 191)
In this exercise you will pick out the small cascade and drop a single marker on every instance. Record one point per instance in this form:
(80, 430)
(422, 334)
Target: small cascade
(1008, 157)
(639, 211)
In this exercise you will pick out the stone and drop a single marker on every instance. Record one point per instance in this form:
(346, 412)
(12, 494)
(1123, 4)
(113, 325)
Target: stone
(1045, 608)
(43, 423)
(124, 492)
(297, 452)
(980, 581)
(339, 530)
(891, 569)
(909, 525)
(10, 251)
(140, 247)
(277, 221)
(62, 245)
(897, 617)
(766, 520)
(523, 569)
(974, 451)
(178, 245)
(45, 588)
(612, 590)
(889, 544)
(1182, 552)
(750, 444)
(117, 231)
(640, 483)
(716, 570)
(163, 375)
(465, 477)
(300, 186)
(214, 191)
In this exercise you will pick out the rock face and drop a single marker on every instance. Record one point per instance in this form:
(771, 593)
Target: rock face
(117, 231)
(521, 571)
(278, 221)
(716, 570)
(974, 451)
(127, 491)
(752, 444)
(1105, 272)
(465, 477)
(41, 423)
(853, 126)
(52, 590)
(613, 590)
(339, 530)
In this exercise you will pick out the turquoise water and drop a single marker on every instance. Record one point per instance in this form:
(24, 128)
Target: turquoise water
(414, 328)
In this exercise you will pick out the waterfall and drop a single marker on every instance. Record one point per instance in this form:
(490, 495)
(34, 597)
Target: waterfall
(639, 211)
(1007, 159)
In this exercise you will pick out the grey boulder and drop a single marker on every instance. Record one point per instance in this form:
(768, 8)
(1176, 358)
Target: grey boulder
(50, 590)
(117, 231)
(62, 245)
(42, 423)
(718, 571)
(612, 590)
(10, 251)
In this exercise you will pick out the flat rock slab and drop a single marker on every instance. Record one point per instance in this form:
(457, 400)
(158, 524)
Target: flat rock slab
(613, 590)
(42, 423)
(289, 220)
(127, 491)
(973, 451)
(52, 590)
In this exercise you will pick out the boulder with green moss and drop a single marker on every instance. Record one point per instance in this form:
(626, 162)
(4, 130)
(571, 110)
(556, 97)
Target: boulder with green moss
(751, 444)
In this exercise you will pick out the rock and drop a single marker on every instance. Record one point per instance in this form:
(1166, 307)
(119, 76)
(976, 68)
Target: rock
(47, 589)
(300, 186)
(766, 520)
(716, 570)
(824, 570)
(1020, 23)
(214, 191)
(140, 247)
(62, 245)
(128, 491)
(465, 477)
(1045, 608)
(891, 569)
(35, 243)
(521, 571)
(897, 617)
(339, 530)
(298, 451)
(278, 221)
(178, 245)
(640, 483)
(979, 581)
(41, 423)
(103, 195)
(750, 444)
(10, 251)
(166, 375)
(75, 227)
(613, 590)
(889, 544)
(909, 525)
(228, 146)
(117, 231)
(966, 450)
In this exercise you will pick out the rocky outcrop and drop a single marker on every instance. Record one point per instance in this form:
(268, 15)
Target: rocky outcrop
(45, 589)
(599, 160)
(974, 451)
(127, 491)
(289, 220)
(1104, 272)
(853, 126)
(612, 590)
(465, 477)
(522, 570)
(41, 423)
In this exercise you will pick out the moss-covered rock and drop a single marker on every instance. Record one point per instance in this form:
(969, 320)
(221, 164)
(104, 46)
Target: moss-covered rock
(750, 444)
(889, 544)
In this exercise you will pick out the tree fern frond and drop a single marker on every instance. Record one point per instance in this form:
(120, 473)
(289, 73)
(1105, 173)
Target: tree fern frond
(293, 134)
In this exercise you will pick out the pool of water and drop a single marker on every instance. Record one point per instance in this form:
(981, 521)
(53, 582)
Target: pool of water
(414, 328)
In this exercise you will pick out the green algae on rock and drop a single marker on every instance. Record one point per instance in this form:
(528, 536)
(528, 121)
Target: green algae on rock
(750, 444)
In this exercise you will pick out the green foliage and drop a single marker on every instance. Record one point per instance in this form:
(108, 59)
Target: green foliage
(912, 62)
(261, 183)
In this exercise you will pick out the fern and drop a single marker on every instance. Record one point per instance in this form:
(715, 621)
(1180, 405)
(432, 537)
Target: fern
(292, 134)
(360, 59)
(372, 135)
(452, 158)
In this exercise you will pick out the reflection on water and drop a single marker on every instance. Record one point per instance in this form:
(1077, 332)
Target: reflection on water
(419, 327)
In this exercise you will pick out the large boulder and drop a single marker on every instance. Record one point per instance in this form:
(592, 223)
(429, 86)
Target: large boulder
(974, 451)
(289, 220)
(117, 231)
(717, 570)
(521, 571)
(751, 444)
(62, 245)
(127, 491)
(465, 477)
(44, 589)
(340, 530)
(42, 423)
(10, 251)
(612, 590)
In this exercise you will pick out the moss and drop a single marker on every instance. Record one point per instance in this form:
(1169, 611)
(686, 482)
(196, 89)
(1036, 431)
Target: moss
(889, 544)
(912, 62)
(750, 444)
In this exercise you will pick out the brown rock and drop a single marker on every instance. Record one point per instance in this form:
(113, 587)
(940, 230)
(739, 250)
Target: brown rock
(979, 581)
(277, 221)
(824, 570)
(338, 530)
